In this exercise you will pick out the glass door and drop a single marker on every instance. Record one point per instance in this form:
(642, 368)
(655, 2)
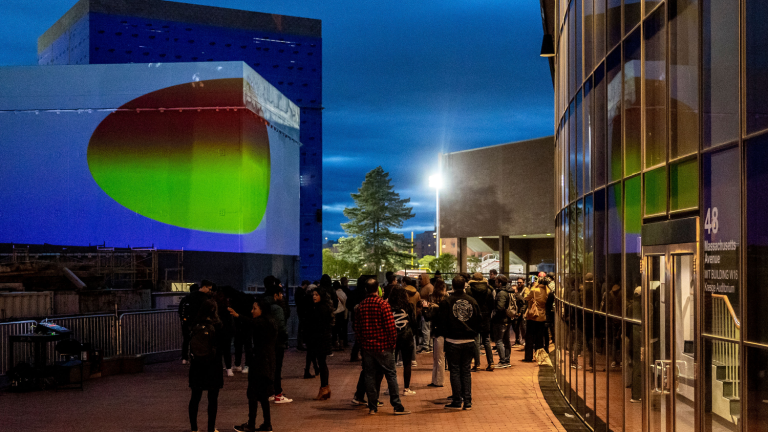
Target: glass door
(670, 287)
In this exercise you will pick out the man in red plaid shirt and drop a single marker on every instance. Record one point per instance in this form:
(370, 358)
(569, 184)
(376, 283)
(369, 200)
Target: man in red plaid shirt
(375, 326)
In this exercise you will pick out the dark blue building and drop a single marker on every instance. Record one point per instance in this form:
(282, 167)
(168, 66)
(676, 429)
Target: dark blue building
(285, 50)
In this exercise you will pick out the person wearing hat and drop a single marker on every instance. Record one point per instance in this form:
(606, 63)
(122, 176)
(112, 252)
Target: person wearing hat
(483, 295)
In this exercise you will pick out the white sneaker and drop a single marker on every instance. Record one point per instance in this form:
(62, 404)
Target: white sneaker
(245, 369)
(413, 363)
(230, 373)
(408, 392)
(237, 369)
(271, 398)
(282, 399)
(184, 362)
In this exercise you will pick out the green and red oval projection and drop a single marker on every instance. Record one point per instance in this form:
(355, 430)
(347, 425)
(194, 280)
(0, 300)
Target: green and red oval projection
(204, 170)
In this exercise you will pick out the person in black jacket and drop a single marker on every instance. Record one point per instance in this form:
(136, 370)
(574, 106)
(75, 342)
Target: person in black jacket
(405, 322)
(459, 321)
(482, 293)
(262, 373)
(274, 298)
(318, 337)
(205, 369)
(500, 320)
(188, 309)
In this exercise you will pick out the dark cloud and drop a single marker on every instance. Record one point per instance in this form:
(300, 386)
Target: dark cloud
(402, 81)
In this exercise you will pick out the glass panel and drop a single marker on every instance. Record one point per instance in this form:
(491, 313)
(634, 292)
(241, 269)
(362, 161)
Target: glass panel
(683, 77)
(600, 119)
(616, 383)
(722, 387)
(589, 54)
(577, 357)
(633, 223)
(566, 243)
(684, 287)
(720, 79)
(650, 4)
(756, 18)
(631, 14)
(757, 239)
(684, 185)
(577, 133)
(573, 85)
(573, 171)
(589, 366)
(655, 90)
(720, 216)
(757, 388)
(659, 348)
(600, 20)
(614, 22)
(600, 250)
(589, 126)
(601, 374)
(613, 63)
(579, 48)
(656, 191)
(632, 103)
(633, 375)
(589, 254)
(615, 232)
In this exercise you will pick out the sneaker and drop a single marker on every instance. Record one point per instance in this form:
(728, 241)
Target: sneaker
(280, 399)
(264, 428)
(505, 365)
(184, 362)
(489, 368)
(245, 369)
(244, 428)
(379, 403)
(399, 364)
(414, 364)
(237, 369)
(408, 392)
(271, 398)
(474, 369)
(453, 406)
(402, 411)
(230, 373)
(371, 412)
(467, 407)
(357, 402)
(575, 366)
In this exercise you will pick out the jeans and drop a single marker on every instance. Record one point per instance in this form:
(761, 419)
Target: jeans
(426, 340)
(484, 339)
(213, 407)
(279, 356)
(459, 358)
(377, 365)
(438, 361)
(518, 326)
(502, 343)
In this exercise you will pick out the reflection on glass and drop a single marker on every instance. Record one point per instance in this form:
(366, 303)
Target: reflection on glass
(757, 388)
(631, 14)
(588, 120)
(685, 345)
(613, 63)
(578, 54)
(589, 55)
(600, 118)
(632, 103)
(658, 356)
(611, 303)
(573, 171)
(756, 17)
(577, 134)
(577, 357)
(656, 191)
(722, 389)
(614, 22)
(601, 374)
(720, 79)
(589, 254)
(588, 364)
(684, 185)
(600, 249)
(616, 383)
(650, 4)
(757, 239)
(600, 20)
(683, 77)
(573, 85)
(633, 377)
(655, 90)
(633, 223)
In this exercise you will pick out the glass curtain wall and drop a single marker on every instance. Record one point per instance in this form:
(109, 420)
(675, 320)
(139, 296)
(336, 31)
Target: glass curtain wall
(662, 114)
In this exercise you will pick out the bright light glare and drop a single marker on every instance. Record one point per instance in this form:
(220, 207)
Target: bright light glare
(436, 181)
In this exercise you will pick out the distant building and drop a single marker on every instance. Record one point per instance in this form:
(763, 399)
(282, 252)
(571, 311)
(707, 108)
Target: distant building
(424, 244)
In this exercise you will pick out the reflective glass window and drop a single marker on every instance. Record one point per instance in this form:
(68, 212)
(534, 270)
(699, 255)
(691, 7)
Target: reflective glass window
(578, 135)
(573, 85)
(655, 191)
(589, 365)
(588, 121)
(579, 48)
(757, 388)
(632, 103)
(613, 13)
(655, 89)
(757, 239)
(589, 253)
(573, 170)
(631, 14)
(633, 392)
(601, 374)
(633, 223)
(650, 4)
(720, 67)
(600, 120)
(613, 298)
(616, 383)
(683, 77)
(756, 18)
(722, 389)
(600, 20)
(600, 249)
(684, 185)
(613, 64)
(589, 37)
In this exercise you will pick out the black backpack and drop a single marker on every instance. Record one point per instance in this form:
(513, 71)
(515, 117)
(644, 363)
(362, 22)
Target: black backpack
(184, 308)
(202, 342)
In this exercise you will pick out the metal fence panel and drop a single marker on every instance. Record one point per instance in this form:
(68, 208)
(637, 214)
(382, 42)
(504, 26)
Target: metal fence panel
(149, 332)
(21, 352)
(98, 330)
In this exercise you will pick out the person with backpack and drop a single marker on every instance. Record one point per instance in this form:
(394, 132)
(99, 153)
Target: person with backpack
(479, 290)
(504, 311)
(536, 317)
(438, 341)
(517, 325)
(261, 377)
(405, 323)
(188, 308)
(205, 373)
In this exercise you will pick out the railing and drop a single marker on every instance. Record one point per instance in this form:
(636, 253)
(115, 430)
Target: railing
(725, 354)
(98, 330)
(149, 332)
(7, 329)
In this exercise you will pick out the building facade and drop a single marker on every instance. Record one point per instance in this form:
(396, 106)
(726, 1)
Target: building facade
(285, 50)
(661, 194)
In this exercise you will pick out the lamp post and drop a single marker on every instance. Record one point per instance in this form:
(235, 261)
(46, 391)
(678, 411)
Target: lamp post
(436, 182)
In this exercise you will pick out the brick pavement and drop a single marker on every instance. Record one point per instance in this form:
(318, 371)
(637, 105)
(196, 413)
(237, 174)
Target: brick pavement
(506, 399)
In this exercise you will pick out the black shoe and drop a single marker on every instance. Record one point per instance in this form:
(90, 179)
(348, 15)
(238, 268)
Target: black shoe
(244, 428)
(266, 427)
(433, 385)
(489, 368)
(467, 407)
(308, 375)
(474, 369)
(453, 406)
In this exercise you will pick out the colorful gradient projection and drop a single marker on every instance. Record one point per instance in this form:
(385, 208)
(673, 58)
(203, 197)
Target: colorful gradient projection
(206, 170)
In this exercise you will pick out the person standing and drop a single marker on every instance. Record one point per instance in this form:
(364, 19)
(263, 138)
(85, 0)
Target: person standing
(493, 276)
(391, 283)
(536, 317)
(438, 341)
(186, 318)
(340, 314)
(479, 290)
(300, 299)
(459, 322)
(405, 322)
(318, 338)
(415, 298)
(375, 327)
(260, 379)
(505, 309)
(517, 325)
(273, 297)
(425, 290)
(205, 373)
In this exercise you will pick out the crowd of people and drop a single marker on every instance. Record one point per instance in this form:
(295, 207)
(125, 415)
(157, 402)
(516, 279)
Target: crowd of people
(455, 321)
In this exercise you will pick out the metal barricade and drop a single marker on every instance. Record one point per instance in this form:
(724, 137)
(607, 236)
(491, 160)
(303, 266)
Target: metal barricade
(98, 330)
(149, 332)
(21, 352)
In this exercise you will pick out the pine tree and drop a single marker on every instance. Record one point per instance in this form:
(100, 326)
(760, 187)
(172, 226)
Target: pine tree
(378, 208)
